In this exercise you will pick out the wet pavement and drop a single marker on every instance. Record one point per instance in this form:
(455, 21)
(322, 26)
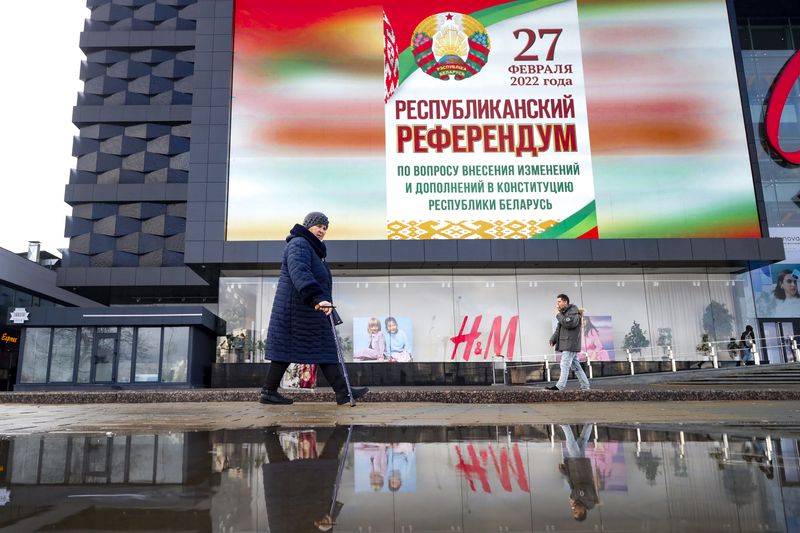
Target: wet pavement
(407, 478)
(21, 419)
(410, 460)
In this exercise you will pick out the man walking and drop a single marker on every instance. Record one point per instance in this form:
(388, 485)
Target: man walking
(567, 340)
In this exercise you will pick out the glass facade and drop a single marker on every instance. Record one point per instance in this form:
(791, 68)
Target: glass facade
(458, 316)
(105, 355)
(10, 297)
(768, 43)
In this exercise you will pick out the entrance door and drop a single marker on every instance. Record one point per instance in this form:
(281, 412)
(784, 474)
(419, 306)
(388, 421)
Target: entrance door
(777, 336)
(104, 357)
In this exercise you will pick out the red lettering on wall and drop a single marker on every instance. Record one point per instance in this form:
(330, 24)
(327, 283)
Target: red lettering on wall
(469, 338)
(777, 102)
(497, 338)
(510, 334)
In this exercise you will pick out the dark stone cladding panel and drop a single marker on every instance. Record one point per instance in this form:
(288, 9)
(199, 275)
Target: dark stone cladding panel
(208, 158)
(737, 254)
(134, 115)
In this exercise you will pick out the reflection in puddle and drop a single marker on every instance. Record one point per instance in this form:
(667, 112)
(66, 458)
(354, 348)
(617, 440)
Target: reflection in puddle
(424, 479)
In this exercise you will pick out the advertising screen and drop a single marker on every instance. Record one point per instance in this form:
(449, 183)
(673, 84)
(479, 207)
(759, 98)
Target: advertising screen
(481, 120)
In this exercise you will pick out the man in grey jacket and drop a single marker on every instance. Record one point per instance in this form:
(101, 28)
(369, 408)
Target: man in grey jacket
(567, 340)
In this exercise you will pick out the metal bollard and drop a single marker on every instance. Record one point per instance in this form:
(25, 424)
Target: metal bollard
(682, 445)
(714, 358)
(768, 441)
(795, 351)
(547, 368)
(630, 361)
(589, 364)
(756, 355)
(725, 448)
(638, 442)
(671, 358)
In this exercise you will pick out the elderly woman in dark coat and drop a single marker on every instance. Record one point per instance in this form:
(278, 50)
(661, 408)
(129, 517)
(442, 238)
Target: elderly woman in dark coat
(299, 328)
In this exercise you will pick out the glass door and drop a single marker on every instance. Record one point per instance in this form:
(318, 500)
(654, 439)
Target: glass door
(104, 355)
(778, 336)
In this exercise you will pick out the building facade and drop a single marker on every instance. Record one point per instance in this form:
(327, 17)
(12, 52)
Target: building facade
(676, 250)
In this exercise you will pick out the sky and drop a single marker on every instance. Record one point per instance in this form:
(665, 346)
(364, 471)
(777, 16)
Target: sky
(41, 68)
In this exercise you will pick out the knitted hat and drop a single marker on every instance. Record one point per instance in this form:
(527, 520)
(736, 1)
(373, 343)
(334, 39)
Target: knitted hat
(314, 218)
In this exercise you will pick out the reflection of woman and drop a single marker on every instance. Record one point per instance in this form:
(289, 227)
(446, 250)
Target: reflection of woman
(377, 343)
(592, 344)
(788, 299)
(397, 347)
(299, 493)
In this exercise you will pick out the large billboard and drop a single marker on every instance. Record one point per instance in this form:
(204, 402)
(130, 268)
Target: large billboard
(479, 119)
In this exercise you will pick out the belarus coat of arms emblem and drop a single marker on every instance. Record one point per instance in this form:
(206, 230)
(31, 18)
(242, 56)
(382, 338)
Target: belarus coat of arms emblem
(450, 45)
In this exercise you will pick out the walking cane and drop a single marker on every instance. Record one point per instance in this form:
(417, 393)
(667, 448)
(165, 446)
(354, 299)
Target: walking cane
(339, 353)
(339, 473)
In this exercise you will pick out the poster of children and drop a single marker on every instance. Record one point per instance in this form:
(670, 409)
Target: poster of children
(385, 467)
(775, 289)
(598, 338)
(383, 339)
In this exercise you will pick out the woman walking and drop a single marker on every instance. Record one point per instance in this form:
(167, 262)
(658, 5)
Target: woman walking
(299, 327)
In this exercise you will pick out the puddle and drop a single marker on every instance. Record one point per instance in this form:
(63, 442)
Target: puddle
(403, 480)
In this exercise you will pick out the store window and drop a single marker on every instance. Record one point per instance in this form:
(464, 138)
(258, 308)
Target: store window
(486, 304)
(35, 355)
(176, 355)
(125, 355)
(85, 355)
(537, 292)
(616, 301)
(426, 302)
(62, 355)
(361, 301)
(148, 350)
(6, 296)
(513, 312)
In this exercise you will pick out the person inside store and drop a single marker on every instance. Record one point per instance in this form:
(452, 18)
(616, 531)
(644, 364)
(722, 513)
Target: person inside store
(299, 328)
(746, 340)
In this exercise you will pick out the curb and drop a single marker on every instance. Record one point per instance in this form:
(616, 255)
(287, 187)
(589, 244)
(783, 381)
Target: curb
(488, 396)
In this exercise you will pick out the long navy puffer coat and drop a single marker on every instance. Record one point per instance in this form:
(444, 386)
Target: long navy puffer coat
(298, 333)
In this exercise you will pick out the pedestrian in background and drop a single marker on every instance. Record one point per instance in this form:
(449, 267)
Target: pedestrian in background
(567, 340)
(746, 341)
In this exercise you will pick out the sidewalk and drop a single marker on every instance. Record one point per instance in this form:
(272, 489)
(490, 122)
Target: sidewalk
(768, 382)
(215, 416)
(681, 399)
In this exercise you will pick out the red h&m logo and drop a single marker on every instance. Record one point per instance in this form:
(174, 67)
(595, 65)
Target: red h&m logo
(495, 341)
(503, 466)
(777, 102)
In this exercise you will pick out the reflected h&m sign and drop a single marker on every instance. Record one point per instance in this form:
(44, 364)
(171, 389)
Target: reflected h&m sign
(777, 102)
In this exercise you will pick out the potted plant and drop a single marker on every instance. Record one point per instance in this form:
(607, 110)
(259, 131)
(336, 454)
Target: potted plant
(635, 339)
(717, 321)
(704, 348)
